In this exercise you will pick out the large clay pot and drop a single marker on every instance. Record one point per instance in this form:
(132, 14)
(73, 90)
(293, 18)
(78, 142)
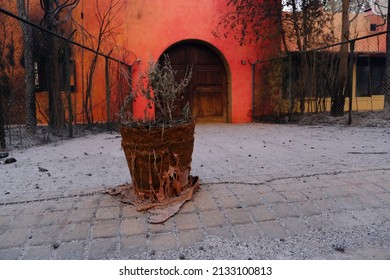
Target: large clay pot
(159, 158)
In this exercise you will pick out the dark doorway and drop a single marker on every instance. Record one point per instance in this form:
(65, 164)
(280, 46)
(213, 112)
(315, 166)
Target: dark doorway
(207, 92)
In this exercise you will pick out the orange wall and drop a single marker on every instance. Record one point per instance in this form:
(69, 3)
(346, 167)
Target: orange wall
(154, 25)
(148, 27)
(151, 26)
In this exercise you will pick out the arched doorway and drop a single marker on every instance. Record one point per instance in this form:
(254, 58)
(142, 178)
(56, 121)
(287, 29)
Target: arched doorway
(207, 91)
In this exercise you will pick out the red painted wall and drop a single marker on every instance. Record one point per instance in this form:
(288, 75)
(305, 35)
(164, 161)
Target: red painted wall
(149, 27)
(154, 25)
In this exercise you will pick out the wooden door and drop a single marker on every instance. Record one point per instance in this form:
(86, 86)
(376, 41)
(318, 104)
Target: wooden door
(207, 91)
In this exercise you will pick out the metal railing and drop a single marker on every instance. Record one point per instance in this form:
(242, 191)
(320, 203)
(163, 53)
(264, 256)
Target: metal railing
(72, 86)
(311, 84)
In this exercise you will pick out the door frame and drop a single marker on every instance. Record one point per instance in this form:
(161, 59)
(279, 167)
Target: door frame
(225, 63)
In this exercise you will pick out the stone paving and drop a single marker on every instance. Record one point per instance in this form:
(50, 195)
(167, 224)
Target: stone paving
(274, 206)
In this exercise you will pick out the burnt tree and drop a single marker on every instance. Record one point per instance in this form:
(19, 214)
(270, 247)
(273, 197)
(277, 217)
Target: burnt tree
(56, 13)
(31, 120)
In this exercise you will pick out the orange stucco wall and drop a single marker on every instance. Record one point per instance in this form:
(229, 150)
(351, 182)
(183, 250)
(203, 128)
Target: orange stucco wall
(151, 26)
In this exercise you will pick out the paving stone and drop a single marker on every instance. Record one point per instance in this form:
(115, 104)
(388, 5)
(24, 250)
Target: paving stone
(293, 196)
(273, 229)
(10, 254)
(102, 249)
(129, 211)
(15, 237)
(131, 245)
(385, 197)
(108, 200)
(163, 242)
(38, 253)
(10, 210)
(371, 253)
(370, 201)
(272, 197)
(82, 215)
(62, 205)
(86, 203)
(369, 217)
(167, 226)
(75, 231)
(373, 188)
(237, 189)
(74, 250)
(222, 232)
(327, 205)
(220, 189)
(296, 184)
(246, 232)
(213, 218)
(227, 201)
(295, 226)
(249, 199)
(5, 222)
(261, 213)
(320, 222)
(238, 216)
(133, 227)
(315, 194)
(35, 208)
(384, 212)
(44, 235)
(107, 213)
(28, 220)
(306, 208)
(349, 203)
(385, 185)
(188, 207)
(345, 220)
(105, 228)
(204, 193)
(57, 217)
(187, 221)
(262, 189)
(353, 190)
(205, 204)
(190, 238)
(281, 185)
(348, 179)
(283, 210)
(333, 191)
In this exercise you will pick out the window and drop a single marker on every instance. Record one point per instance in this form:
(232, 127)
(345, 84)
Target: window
(369, 75)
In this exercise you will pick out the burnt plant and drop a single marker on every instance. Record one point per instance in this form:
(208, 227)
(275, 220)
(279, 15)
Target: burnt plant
(158, 85)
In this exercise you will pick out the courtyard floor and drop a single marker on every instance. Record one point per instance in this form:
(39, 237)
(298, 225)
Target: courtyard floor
(267, 192)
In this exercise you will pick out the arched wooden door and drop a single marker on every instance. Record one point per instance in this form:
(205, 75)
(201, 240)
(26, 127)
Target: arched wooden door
(207, 91)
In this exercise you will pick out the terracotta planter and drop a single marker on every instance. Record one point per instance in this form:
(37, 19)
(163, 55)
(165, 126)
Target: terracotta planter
(159, 158)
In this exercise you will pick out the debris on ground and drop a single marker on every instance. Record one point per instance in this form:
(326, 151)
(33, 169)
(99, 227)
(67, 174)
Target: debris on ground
(159, 211)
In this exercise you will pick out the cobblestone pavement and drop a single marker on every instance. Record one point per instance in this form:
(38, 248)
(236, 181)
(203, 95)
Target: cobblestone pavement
(273, 192)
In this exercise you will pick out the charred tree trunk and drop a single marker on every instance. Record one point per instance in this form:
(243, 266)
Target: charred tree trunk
(53, 72)
(56, 108)
(387, 72)
(31, 119)
(338, 98)
(88, 93)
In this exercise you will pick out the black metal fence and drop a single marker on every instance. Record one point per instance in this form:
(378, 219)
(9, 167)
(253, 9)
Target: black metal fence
(325, 85)
(73, 86)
